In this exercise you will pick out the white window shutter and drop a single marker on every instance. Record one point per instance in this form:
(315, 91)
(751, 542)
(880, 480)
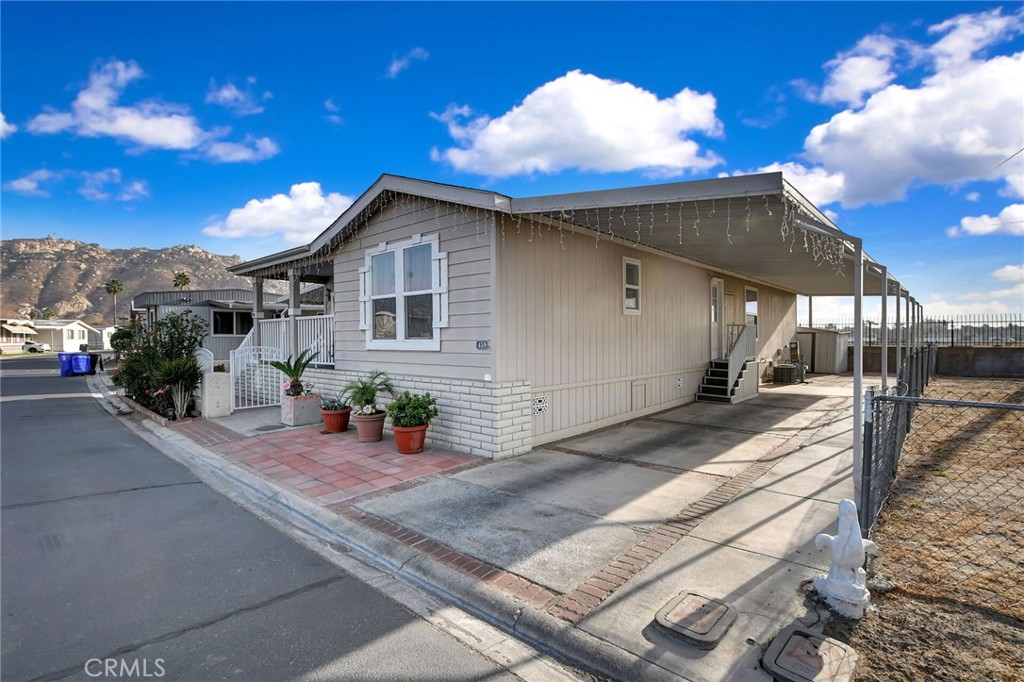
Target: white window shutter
(440, 289)
(364, 298)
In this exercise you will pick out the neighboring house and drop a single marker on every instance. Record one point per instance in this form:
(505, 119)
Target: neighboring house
(227, 312)
(100, 338)
(64, 336)
(13, 333)
(539, 318)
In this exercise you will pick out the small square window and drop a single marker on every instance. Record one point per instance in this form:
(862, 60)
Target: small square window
(631, 301)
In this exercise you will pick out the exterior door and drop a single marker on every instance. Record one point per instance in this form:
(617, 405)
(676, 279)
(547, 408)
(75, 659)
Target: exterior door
(717, 319)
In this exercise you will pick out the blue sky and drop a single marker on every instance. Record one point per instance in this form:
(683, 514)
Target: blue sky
(247, 127)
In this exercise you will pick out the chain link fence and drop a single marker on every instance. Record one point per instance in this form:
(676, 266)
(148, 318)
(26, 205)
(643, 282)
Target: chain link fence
(942, 490)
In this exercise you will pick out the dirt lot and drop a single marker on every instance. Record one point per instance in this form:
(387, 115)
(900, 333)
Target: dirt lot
(951, 538)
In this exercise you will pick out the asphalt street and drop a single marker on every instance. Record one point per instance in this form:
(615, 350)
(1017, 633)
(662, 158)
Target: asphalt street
(116, 562)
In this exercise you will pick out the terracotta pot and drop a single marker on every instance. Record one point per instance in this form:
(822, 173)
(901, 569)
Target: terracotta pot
(370, 427)
(336, 421)
(409, 439)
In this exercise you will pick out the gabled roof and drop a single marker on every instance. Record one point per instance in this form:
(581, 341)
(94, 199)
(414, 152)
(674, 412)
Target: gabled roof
(60, 324)
(758, 227)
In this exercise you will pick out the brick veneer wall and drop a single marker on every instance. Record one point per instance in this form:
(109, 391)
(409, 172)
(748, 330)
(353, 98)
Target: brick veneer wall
(481, 418)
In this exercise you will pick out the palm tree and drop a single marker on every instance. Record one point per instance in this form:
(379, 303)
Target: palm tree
(114, 287)
(181, 280)
(48, 313)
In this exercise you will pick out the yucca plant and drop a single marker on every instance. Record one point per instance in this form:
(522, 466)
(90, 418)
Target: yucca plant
(293, 370)
(182, 376)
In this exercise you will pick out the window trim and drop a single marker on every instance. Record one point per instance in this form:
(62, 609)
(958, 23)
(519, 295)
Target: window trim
(627, 261)
(438, 290)
(757, 316)
(234, 322)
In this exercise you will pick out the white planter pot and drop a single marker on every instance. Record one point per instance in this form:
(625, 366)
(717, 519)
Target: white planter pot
(300, 410)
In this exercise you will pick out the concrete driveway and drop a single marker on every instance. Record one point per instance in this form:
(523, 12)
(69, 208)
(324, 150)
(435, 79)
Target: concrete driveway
(723, 500)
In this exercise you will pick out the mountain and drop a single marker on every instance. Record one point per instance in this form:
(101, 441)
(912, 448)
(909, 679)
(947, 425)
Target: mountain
(71, 276)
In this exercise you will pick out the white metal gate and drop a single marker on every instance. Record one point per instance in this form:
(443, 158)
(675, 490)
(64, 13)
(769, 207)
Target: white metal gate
(254, 383)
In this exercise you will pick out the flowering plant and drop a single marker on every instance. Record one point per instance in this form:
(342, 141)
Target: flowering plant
(292, 370)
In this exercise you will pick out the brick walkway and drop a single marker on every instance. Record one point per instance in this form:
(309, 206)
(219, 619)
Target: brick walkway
(335, 467)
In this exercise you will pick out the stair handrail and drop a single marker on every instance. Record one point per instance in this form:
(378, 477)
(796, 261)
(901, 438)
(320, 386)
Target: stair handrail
(743, 349)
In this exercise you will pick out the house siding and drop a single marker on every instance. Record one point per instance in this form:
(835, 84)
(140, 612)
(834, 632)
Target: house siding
(466, 236)
(561, 328)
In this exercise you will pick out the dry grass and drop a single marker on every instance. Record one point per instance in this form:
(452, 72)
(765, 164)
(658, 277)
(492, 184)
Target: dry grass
(951, 537)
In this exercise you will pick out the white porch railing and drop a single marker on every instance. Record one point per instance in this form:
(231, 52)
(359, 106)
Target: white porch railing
(316, 332)
(743, 348)
(274, 334)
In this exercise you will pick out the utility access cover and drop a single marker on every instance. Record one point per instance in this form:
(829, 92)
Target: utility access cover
(699, 620)
(800, 656)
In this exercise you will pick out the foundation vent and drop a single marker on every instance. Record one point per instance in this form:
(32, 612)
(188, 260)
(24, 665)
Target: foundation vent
(541, 405)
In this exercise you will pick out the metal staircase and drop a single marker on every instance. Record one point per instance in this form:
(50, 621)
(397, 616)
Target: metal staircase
(724, 380)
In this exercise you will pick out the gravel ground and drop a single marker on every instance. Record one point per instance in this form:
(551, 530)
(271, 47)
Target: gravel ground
(951, 538)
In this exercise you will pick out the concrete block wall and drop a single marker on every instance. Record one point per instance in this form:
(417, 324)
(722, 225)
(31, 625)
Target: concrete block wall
(482, 418)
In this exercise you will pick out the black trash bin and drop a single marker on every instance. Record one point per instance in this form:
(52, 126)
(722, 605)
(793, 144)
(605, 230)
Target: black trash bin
(83, 348)
(95, 360)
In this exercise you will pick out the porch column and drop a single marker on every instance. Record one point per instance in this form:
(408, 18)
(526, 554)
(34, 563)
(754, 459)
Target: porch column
(294, 310)
(810, 312)
(257, 309)
(899, 336)
(883, 336)
(858, 366)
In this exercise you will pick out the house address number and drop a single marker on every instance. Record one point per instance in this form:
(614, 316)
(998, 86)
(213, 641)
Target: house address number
(483, 345)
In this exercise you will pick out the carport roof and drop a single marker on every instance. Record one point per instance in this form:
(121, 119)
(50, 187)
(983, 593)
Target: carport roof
(758, 227)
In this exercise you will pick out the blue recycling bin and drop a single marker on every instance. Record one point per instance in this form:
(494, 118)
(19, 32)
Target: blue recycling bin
(73, 364)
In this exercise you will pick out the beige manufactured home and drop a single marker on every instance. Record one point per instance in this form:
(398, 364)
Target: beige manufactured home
(536, 319)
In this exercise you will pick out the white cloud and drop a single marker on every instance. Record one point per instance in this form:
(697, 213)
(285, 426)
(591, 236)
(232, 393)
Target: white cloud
(241, 102)
(333, 116)
(582, 121)
(938, 306)
(968, 34)
(148, 124)
(817, 184)
(298, 216)
(107, 184)
(32, 185)
(6, 129)
(957, 124)
(973, 196)
(250, 149)
(1010, 273)
(864, 70)
(400, 64)
(1009, 221)
(1016, 291)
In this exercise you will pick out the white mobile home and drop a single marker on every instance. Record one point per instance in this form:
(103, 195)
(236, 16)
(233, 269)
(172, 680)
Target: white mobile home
(64, 336)
(535, 319)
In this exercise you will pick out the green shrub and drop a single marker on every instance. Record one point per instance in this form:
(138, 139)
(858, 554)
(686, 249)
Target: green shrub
(176, 337)
(412, 410)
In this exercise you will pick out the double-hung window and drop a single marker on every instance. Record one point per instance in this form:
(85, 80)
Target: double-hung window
(630, 286)
(403, 295)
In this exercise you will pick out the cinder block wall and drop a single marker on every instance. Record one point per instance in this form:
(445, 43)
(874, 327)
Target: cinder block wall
(482, 418)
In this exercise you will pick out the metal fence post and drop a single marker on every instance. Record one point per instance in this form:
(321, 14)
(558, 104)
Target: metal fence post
(866, 514)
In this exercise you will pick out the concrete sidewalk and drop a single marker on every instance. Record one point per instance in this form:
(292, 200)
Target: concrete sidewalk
(576, 546)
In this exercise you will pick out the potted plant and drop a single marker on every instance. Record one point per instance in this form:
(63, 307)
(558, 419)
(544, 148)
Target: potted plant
(335, 413)
(410, 416)
(362, 395)
(298, 405)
